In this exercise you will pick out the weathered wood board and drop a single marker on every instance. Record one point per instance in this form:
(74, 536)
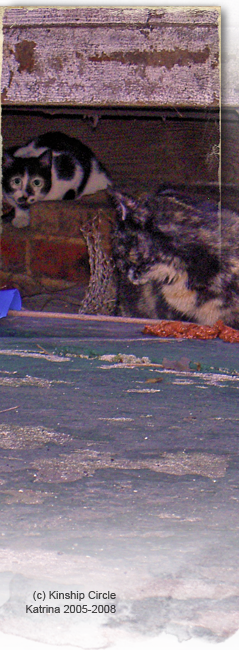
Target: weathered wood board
(111, 56)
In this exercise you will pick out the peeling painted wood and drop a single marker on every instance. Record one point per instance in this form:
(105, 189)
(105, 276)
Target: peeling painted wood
(230, 8)
(111, 57)
(114, 15)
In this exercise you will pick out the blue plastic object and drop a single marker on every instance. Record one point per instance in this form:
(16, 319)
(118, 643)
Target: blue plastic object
(9, 299)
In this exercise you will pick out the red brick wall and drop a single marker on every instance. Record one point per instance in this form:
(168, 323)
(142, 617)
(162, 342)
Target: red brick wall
(52, 250)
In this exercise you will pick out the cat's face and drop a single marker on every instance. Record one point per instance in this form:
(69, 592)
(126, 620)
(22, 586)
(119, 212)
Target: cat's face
(26, 180)
(133, 245)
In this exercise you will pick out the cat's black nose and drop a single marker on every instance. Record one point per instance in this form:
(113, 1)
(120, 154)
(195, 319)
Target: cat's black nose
(22, 201)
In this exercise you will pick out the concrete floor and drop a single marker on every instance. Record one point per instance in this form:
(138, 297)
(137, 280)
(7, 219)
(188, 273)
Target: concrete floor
(119, 473)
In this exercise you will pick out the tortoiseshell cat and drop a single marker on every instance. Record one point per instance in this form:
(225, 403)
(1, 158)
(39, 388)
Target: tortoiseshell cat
(176, 257)
(52, 167)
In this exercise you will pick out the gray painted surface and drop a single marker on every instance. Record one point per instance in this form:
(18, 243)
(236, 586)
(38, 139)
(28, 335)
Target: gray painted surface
(118, 476)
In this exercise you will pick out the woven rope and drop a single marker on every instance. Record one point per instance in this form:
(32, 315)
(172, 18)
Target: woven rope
(101, 293)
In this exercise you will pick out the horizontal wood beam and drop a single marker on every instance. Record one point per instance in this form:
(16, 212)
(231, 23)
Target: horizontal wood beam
(111, 57)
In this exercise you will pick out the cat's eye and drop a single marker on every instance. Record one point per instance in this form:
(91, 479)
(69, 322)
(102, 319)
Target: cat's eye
(37, 182)
(15, 182)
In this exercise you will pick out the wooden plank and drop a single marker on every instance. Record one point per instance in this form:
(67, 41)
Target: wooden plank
(83, 317)
(114, 15)
(111, 57)
(230, 10)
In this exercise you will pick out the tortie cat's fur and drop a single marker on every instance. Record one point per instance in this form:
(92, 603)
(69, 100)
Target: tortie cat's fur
(176, 257)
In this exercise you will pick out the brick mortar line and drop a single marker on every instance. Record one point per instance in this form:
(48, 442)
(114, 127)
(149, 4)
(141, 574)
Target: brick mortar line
(56, 238)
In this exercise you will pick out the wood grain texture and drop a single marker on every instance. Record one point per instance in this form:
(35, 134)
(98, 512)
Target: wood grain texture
(111, 57)
(143, 16)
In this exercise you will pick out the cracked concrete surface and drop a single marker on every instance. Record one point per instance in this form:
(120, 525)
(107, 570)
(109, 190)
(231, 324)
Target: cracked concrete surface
(107, 489)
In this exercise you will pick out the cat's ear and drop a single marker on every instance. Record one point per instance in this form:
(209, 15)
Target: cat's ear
(46, 158)
(123, 203)
(7, 160)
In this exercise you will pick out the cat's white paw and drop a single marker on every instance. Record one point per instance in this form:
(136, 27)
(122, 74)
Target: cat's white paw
(21, 220)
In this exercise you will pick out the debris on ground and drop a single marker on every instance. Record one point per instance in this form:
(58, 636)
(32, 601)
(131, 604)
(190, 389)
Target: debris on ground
(181, 330)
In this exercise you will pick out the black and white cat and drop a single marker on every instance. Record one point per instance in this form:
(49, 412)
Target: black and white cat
(52, 167)
(176, 257)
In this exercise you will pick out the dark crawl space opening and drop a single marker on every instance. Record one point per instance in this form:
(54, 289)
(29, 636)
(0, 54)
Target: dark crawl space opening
(51, 261)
